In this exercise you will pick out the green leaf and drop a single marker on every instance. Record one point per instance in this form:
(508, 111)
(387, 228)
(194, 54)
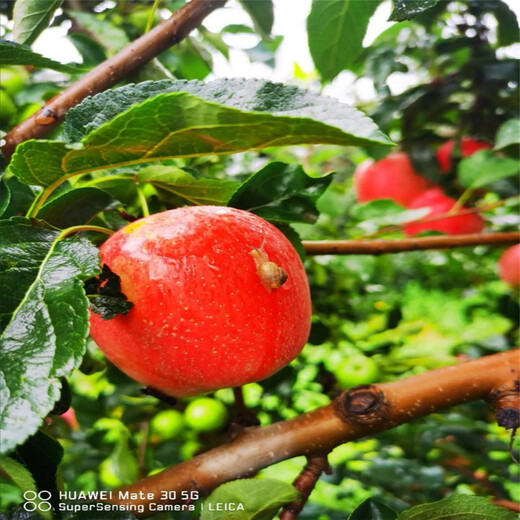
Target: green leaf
(14, 54)
(409, 9)
(467, 507)
(179, 124)
(281, 192)
(42, 455)
(43, 319)
(484, 167)
(75, 207)
(5, 195)
(186, 188)
(336, 29)
(262, 14)
(248, 95)
(261, 499)
(111, 37)
(18, 473)
(31, 17)
(508, 134)
(372, 509)
(384, 212)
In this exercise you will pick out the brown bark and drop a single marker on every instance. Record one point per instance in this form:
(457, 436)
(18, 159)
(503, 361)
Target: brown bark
(380, 247)
(111, 71)
(305, 483)
(360, 412)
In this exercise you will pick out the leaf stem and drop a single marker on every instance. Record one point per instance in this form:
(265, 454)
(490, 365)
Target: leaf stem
(142, 201)
(77, 229)
(151, 18)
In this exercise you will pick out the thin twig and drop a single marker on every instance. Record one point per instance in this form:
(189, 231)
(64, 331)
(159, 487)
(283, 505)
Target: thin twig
(305, 483)
(112, 71)
(380, 247)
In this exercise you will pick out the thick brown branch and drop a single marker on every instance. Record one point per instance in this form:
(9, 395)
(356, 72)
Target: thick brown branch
(305, 483)
(111, 71)
(380, 247)
(354, 414)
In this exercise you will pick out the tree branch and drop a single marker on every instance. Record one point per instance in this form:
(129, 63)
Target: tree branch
(360, 412)
(380, 247)
(111, 71)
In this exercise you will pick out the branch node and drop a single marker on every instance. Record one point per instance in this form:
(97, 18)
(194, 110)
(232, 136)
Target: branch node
(506, 401)
(364, 404)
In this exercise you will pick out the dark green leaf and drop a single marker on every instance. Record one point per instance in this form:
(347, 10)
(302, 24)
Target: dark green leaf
(44, 320)
(185, 187)
(42, 455)
(372, 509)
(75, 207)
(467, 507)
(20, 197)
(14, 54)
(336, 29)
(179, 124)
(262, 14)
(507, 30)
(508, 134)
(102, 515)
(484, 167)
(261, 499)
(409, 9)
(281, 192)
(31, 17)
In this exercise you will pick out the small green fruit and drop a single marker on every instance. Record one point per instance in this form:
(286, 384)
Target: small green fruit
(13, 79)
(356, 370)
(206, 414)
(7, 106)
(167, 424)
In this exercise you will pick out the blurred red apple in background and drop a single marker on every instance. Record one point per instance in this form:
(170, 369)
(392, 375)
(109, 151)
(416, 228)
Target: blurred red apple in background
(390, 178)
(439, 204)
(468, 146)
(509, 265)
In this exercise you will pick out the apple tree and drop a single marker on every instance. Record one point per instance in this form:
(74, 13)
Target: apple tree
(343, 277)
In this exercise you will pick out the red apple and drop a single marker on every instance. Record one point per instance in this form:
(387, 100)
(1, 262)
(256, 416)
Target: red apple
(220, 299)
(468, 146)
(390, 178)
(509, 265)
(439, 204)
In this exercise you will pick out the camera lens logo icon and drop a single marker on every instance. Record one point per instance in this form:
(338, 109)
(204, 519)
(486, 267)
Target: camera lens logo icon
(37, 501)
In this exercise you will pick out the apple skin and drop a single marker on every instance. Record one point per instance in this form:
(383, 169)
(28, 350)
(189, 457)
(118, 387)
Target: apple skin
(468, 146)
(390, 178)
(439, 203)
(202, 317)
(509, 266)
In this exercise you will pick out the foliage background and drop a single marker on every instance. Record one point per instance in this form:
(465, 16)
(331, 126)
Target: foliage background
(408, 312)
